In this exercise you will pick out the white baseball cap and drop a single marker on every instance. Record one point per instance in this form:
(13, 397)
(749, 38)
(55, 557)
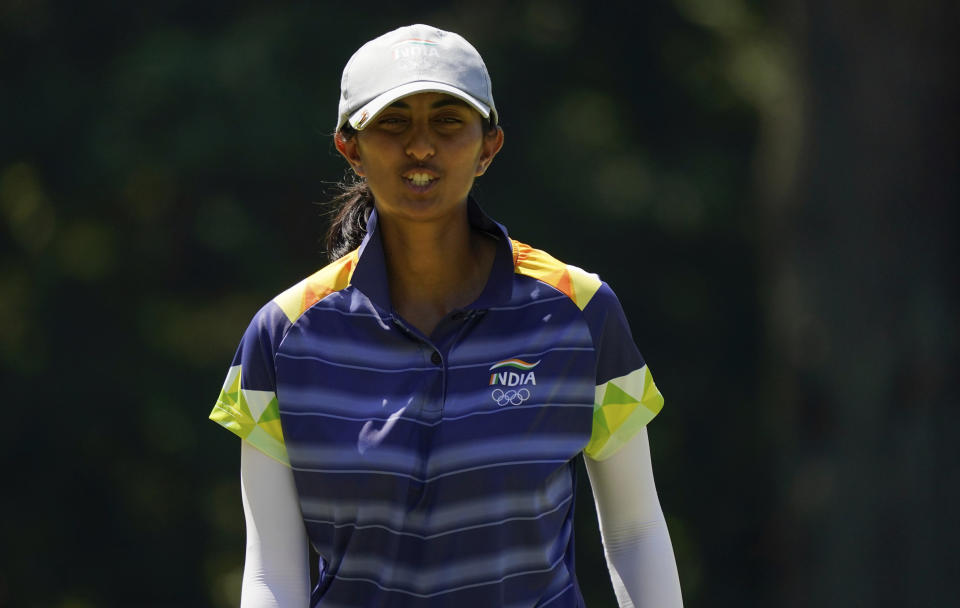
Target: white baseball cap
(412, 59)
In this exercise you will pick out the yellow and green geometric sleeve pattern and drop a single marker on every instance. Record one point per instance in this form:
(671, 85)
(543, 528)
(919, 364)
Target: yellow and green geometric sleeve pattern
(622, 406)
(252, 415)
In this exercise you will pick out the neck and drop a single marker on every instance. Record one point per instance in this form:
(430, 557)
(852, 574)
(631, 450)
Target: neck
(434, 267)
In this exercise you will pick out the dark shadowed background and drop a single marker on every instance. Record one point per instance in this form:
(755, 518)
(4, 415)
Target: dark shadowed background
(770, 187)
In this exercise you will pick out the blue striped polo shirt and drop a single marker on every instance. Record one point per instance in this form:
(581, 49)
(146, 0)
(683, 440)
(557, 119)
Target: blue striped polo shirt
(439, 470)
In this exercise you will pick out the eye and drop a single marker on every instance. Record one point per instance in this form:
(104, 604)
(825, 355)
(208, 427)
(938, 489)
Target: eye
(449, 120)
(391, 120)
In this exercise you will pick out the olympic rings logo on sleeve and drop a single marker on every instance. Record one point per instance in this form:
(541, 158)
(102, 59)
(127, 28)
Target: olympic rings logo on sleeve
(509, 397)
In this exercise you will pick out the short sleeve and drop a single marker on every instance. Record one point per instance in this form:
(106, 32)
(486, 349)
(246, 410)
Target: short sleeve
(247, 404)
(625, 398)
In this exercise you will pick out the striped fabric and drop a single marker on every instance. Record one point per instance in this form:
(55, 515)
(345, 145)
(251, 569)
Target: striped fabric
(438, 471)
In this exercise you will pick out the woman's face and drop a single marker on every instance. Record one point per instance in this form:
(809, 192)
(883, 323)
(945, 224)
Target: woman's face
(421, 155)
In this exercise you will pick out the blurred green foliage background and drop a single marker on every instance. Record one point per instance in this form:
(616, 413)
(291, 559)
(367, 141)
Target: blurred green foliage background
(770, 187)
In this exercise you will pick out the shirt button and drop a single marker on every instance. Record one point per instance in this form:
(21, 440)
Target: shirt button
(435, 357)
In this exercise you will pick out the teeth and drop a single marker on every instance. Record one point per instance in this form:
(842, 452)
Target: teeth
(420, 179)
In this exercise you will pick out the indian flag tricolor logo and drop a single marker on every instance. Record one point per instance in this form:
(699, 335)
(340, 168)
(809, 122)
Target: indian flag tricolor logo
(513, 372)
(516, 364)
(415, 48)
(420, 41)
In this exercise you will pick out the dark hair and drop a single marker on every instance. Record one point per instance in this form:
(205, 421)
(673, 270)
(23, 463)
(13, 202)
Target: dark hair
(352, 206)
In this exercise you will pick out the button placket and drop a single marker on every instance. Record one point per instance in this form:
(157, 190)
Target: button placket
(427, 397)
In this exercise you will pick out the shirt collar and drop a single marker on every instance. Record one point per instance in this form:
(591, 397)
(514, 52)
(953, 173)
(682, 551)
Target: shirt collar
(370, 275)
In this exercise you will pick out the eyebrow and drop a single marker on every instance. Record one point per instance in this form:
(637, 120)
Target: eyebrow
(440, 103)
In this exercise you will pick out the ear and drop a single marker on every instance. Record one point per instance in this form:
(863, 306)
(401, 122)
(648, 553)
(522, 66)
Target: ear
(492, 142)
(348, 148)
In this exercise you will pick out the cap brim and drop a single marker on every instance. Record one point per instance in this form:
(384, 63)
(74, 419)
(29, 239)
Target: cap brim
(362, 117)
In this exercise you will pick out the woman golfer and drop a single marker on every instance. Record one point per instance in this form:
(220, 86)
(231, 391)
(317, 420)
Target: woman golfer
(413, 409)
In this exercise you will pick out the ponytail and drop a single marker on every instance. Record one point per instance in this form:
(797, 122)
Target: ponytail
(352, 208)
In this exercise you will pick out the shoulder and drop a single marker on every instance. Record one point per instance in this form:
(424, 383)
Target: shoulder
(599, 305)
(271, 323)
(578, 284)
(333, 277)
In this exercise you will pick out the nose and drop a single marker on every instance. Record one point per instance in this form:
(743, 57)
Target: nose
(420, 143)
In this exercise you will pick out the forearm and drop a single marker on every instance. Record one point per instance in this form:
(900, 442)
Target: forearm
(635, 537)
(276, 572)
(642, 566)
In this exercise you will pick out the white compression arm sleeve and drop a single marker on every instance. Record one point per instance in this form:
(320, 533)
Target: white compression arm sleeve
(276, 572)
(635, 538)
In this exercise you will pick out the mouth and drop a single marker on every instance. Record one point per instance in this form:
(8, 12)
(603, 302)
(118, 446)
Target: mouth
(420, 178)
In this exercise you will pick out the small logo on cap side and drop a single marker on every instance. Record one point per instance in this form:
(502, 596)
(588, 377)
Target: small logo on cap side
(363, 118)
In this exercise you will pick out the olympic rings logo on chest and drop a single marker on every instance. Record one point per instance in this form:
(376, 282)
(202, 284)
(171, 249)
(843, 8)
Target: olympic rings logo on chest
(509, 396)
